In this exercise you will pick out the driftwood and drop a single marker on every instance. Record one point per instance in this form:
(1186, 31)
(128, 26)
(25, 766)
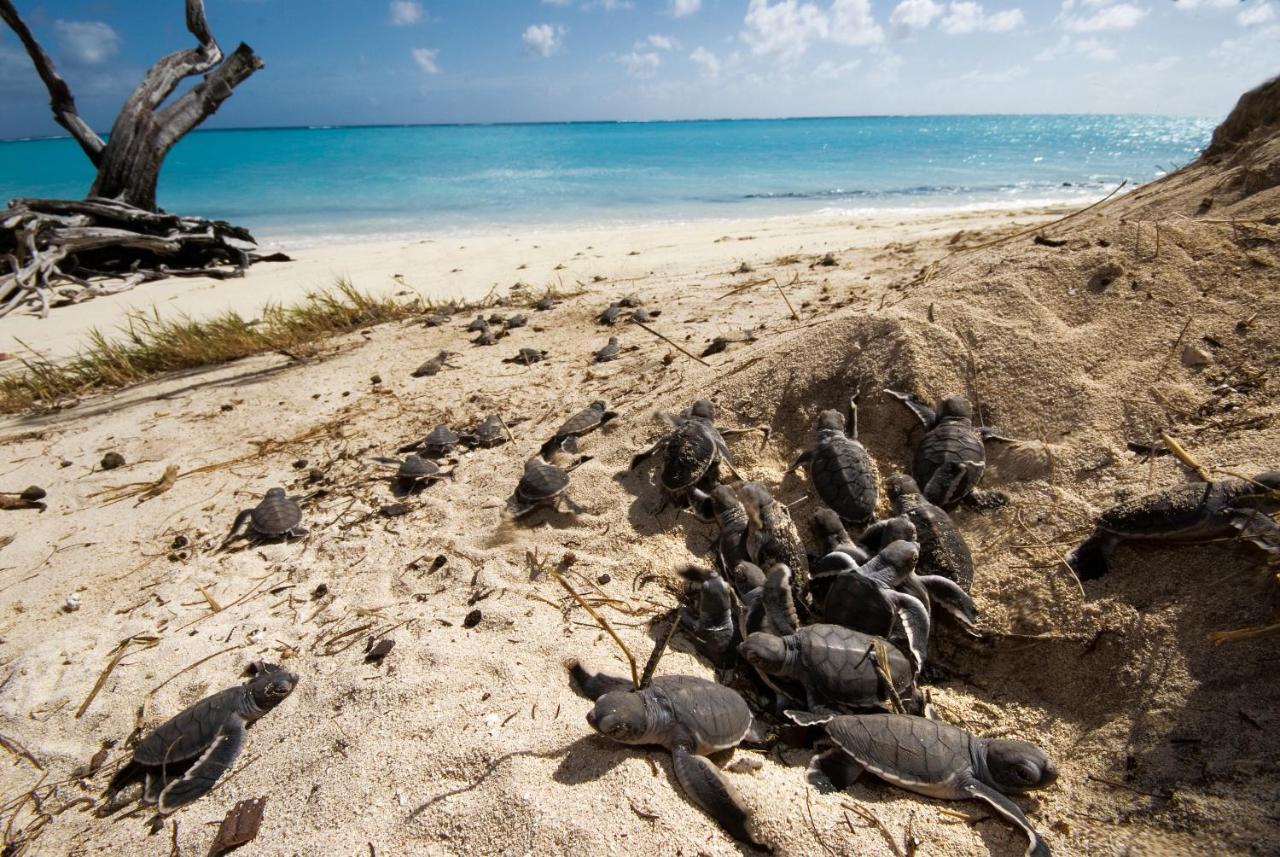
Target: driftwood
(51, 251)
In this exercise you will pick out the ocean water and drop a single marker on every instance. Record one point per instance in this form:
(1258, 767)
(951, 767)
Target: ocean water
(319, 183)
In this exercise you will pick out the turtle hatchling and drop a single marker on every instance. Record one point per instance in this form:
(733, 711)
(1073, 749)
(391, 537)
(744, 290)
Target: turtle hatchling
(942, 548)
(711, 626)
(543, 485)
(951, 458)
(831, 534)
(435, 365)
(840, 468)
(527, 356)
(486, 434)
(689, 716)
(645, 316)
(277, 517)
(611, 314)
(693, 452)
(186, 755)
(772, 537)
(517, 320)
(477, 325)
(545, 303)
(610, 351)
(486, 337)
(439, 443)
(414, 472)
(1187, 513)
(725, 507)
(940, 761)
(583, 422)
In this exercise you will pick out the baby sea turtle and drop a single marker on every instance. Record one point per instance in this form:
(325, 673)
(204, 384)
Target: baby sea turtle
(414, 472)
(831, 534)
(439, 443)
(841, 669)
(1187, 513)
(486, 434)
(517, 320)
(276, 517)
(543, 484)
(497, 319)
(840, 468)
(712, 625)
(585, 421)
(610, 351)
(931, 589)
(435, 365)
(477, 325)
(772, 537)
(725, 507)
(693, 451)
(545, 303)
(183, 758)
(630, 301)
(942, 549)
(611, 314)
(645, 316)
(938, 760)
(766, 600)
(951, 458)
(486, 337)
(436, 319)
(527, 356)
(689, 716)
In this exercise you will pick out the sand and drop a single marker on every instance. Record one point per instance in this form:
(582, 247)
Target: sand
(469, 740)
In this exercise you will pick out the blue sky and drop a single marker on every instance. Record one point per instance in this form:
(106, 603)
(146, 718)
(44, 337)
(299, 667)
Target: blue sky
(403, 61)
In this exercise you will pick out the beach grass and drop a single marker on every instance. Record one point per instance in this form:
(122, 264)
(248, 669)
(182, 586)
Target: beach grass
(149, 346)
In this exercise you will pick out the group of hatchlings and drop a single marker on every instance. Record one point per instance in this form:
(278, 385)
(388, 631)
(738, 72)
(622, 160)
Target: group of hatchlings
(833, 643)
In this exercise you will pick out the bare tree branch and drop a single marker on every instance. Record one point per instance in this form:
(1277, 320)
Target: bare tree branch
(61, 100)
(163, 77)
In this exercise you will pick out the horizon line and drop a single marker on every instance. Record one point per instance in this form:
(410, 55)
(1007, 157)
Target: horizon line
(502, 124)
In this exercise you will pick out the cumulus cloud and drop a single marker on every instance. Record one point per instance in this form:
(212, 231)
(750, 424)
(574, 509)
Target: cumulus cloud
(851, 23)
(641, 65)
(785, 29)
(425, 59)
(828, 70)
(1205, 4)
(543, 39)
(659, 41)
(683, 8)
(707, 61)
(914, 14)
(1117, 16)
(405, 12)
(1090, 48)
(87, 42)
(967, 16)
(1256, 14)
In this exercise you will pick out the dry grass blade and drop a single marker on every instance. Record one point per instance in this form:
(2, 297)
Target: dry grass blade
(1240, 634)
(601, 621)
(117, 655)
(1180, 452)
(18, 750)
(674, 345)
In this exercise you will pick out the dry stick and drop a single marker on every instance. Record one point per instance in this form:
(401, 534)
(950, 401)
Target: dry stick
(870, 817)
(506, 428)
(213, 605)
(794, 315)
(671, 343)
(808, 805)
(1173, 348)
(1180, 453)
(1059, 559)
(1220, 637)
(117, 656)
(18, 750)
(652, 666)
(600, 620)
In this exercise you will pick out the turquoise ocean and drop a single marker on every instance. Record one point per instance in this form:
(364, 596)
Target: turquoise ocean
(320, 184)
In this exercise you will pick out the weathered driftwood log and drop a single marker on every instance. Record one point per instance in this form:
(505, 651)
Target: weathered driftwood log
(118, 231)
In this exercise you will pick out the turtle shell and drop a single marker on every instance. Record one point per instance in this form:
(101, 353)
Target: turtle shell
(545, 303)
(442, 437)
(904, 749)
(415, 468)
(715, 716)
(691, 452)
(583, 421)
(516, 321)
(857, 602)
(189, 733)
(954, 441)
(844, 477)
(276, 515)
(488, 433)
(610, 315)
(610, 351)
(477, 325)
(839, 664)
(541, 481)
(529, 355)
(1188, 511)
(943, 550)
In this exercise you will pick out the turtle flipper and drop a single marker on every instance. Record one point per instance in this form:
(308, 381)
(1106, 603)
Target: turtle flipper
(707, 787)
(595, 685)
(810, 718)
(948, 594)
(641, 457)
(239, 522)
(805, 458)
(1036, 847)
(923, 412)
(1256, 527)
(836, 766)
(1089, 559)
(914, 619)
(945, 485)
(205, 772)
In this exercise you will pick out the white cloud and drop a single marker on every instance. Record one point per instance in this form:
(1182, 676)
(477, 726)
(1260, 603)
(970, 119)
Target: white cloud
(991, 77)
(785, 29)
(828, 70)
(1090, 48)
(709, 62)
(1257, 13)
(659, 41)
(641, 65)
(683, 8)
(405, 12)
(967, 16)
(1120, 16)
(425, 58)
(1187, 5)
(87, 42)
(914, 14)
(544, 39)
(853, 24)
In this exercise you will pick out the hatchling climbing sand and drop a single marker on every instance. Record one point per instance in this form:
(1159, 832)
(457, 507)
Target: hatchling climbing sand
(276, 517)
(840, 468)
(415, 472)
(435, 365)
(585, 421)
(1187, 513)
(543, 485)
(689, 716)
(527, 356)
(610, 351)
(186, 755)
(486, 434)
(439, 443)
(938, 760)
(943, 550)
(951, 458)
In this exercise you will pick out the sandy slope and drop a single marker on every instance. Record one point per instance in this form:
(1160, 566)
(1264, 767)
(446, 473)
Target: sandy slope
(469, 741)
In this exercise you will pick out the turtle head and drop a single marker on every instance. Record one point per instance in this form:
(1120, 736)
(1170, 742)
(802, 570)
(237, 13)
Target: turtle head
(899, 529)
(275, 492)
(764, 652)
(620, 715)
(1268, 484)
(900, 486)
(599, 404)
(755, 498)
(703, 410)
(955, 407)
(271, 685)
(1018, 766)
(901, 556)
(723, 498)
(830, 421)
(826, 524)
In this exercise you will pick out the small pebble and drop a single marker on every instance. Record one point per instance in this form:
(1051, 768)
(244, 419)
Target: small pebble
(473, 619)
(72, 604)
(112, 460)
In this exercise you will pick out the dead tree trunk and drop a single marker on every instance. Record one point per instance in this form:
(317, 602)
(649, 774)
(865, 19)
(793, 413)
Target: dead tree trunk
(118, 230)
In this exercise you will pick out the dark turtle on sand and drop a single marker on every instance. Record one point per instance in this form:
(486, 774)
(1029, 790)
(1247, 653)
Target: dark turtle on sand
(832, 536)
(772, 538)
(611, 314)
(545, 303)
(435, 365)
(938, 760)
(726, 509)
(610, 351)
(1187, 513)
(841, 669)
(486, 434)
(436, 319)
(439, 443)
(932, 590)
(629, 301)
(517, 320)
(693, 452)
(477, 325)
(543, 485)
(487, 337)
(840, 468)
(712, 626)
(415, 472)
(276, 517)
(527, 356)
(583, 422)
(689, 716)
(497, 319)
(942, 549)
(645, 316)
(951, 458)
(186, 755)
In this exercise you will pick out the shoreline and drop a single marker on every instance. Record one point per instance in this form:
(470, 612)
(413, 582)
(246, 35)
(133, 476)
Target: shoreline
(445, 266)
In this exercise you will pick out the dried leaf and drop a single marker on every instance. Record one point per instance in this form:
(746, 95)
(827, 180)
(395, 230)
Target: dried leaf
(240, 826)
